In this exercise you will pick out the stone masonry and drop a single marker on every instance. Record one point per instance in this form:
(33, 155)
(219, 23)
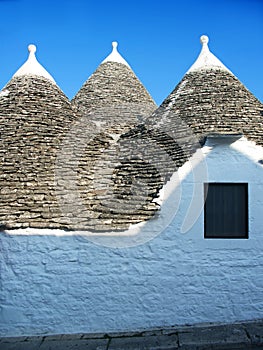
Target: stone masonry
(238, 336)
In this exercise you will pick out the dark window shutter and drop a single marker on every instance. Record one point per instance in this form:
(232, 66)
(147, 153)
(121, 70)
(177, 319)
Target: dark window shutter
(226, 210)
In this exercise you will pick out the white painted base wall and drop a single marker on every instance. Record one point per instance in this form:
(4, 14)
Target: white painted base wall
(55, 283)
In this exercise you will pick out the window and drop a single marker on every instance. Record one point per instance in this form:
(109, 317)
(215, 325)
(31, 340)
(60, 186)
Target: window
(226, 210)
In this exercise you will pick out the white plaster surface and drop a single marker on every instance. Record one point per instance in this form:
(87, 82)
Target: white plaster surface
(32, 66)
(114, 56)
(206, 59)
(67, 284)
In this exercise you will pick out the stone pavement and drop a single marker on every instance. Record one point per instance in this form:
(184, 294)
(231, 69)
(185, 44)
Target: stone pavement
(243, 335)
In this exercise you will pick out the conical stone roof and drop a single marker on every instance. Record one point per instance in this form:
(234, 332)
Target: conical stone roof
(210, 99)
(113, 96)
(115, 101)
(34, 115)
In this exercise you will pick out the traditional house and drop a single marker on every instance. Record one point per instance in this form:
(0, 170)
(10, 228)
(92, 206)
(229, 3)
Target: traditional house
(112, 222)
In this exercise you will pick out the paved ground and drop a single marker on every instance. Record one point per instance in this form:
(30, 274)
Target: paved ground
(239, 336)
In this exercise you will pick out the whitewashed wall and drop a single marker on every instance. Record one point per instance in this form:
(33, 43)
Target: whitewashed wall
(52, 283)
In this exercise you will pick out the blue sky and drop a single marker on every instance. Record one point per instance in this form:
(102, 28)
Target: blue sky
(159, 39)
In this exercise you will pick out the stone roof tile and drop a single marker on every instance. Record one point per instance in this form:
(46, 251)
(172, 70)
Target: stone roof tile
(114, 86)
(115, 100)
(34, 115)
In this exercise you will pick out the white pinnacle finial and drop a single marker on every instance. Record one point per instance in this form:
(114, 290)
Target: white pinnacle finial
(204, 39)
(32, 66)
(32, 48)
(114, 56)
(206, 60)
